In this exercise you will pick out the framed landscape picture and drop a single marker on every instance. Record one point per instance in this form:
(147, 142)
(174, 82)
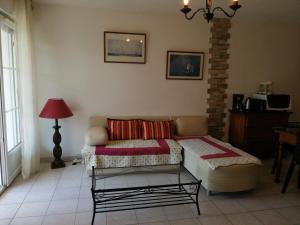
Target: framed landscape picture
(185, 65)
(124, 47)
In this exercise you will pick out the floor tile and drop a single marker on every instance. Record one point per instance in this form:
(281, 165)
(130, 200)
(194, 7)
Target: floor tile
(10, 197)
(44, 185)
(32, 209)
(64, 219)
(5, 221)
(121, 218)
(62, 206)
(86, 218)
(27, 221)
(39, 196)
(85, 192)
(229, 206)
(48, 175)
(21, 185)
(66, 193)
(293, 198)
(270, 217)
(157, 223)
(86, 182)
(85, 204)
(116, 185)
(243, 219)
(209, 209)
(253, 204)
(136, 178)
(275, 201)
(65, 183)
(185, 222)
(150, 215)
(292, 214)
(8, 211)
(214, 220)
(203, 196)
(179, 212)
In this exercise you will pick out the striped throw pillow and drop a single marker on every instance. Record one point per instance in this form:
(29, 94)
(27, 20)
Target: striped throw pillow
(123, 129)
(157, 129)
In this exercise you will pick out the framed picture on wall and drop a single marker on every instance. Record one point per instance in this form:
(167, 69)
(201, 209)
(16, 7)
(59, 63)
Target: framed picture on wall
(185, 65)
(124, 47)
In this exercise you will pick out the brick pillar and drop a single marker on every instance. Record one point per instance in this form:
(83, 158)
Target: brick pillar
(218, 76)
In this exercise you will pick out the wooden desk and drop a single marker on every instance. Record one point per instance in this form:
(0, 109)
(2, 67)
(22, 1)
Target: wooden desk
(285, 136)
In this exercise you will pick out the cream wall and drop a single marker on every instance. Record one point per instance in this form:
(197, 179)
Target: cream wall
(7, 5)
(69, 59)
(69, 56)
(262, 52)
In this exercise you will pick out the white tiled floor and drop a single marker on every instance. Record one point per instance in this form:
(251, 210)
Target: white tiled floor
(62, 197)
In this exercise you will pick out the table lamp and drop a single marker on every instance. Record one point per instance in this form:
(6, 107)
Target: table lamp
(56, 109)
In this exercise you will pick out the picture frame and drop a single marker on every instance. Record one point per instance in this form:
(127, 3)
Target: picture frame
(184, 65)
(121, 47)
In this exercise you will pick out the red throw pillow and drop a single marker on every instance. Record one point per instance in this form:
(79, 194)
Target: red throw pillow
(157, 129)
(123, 129)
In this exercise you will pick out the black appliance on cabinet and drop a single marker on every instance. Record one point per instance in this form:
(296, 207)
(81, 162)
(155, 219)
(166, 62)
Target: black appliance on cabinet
(254, 105)
(237, 102)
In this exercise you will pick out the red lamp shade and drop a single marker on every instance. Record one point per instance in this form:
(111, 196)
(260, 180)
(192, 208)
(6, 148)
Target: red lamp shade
(55, 108)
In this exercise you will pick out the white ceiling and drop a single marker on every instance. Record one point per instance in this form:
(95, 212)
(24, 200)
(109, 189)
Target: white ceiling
(276, 10)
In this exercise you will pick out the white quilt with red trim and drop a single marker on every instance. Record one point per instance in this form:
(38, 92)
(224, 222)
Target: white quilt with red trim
(216, 153)
(131, 153)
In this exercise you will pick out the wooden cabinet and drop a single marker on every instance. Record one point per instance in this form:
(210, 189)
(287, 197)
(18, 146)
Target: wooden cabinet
(253, 131)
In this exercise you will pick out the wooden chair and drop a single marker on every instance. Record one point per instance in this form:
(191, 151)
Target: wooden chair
(294, 162)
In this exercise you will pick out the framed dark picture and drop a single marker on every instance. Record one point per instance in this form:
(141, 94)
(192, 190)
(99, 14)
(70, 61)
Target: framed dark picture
(185, 65)
(124, 47)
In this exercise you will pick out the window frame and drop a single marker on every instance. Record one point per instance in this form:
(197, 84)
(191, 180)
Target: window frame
(16, 87)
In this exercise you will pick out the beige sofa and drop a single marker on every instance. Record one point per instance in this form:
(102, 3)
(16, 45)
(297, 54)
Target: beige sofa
(223, 179)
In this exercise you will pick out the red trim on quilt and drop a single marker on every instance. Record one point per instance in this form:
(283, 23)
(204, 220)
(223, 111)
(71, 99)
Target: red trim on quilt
(228, 152)
(162, 149)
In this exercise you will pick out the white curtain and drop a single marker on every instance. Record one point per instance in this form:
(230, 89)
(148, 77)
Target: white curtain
(30, 150)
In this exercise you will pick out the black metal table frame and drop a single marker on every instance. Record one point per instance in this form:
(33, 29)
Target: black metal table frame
(141, 197)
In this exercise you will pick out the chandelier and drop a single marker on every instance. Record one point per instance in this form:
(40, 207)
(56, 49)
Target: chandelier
(208, 11)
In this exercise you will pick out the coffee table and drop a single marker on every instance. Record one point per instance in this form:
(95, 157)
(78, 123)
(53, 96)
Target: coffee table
(141, 197)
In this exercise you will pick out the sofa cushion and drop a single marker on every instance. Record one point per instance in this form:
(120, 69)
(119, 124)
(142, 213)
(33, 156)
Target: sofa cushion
(157, 129)
(124, 129)
(191, 125)
(96, 136)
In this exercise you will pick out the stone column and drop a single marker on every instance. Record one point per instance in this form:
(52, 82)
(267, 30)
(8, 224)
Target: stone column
(218, 75)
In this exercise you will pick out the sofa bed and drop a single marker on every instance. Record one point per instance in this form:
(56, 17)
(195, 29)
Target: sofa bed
(220, 166)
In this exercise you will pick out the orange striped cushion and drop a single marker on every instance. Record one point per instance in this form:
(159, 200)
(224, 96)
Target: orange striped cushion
(123, 129)
(157, 129)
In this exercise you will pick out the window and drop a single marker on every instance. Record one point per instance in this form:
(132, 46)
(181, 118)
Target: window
(9, 89)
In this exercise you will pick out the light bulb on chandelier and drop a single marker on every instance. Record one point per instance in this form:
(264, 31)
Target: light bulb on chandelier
(208, 12)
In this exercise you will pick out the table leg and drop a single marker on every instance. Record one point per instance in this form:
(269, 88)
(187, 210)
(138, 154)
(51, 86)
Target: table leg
(279, 162)
(275, 161)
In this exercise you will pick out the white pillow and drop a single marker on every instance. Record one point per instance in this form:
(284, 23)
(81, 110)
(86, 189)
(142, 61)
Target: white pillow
(96, 136)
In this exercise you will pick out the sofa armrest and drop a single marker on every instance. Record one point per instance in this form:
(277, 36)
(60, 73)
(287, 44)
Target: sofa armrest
(96, 136)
